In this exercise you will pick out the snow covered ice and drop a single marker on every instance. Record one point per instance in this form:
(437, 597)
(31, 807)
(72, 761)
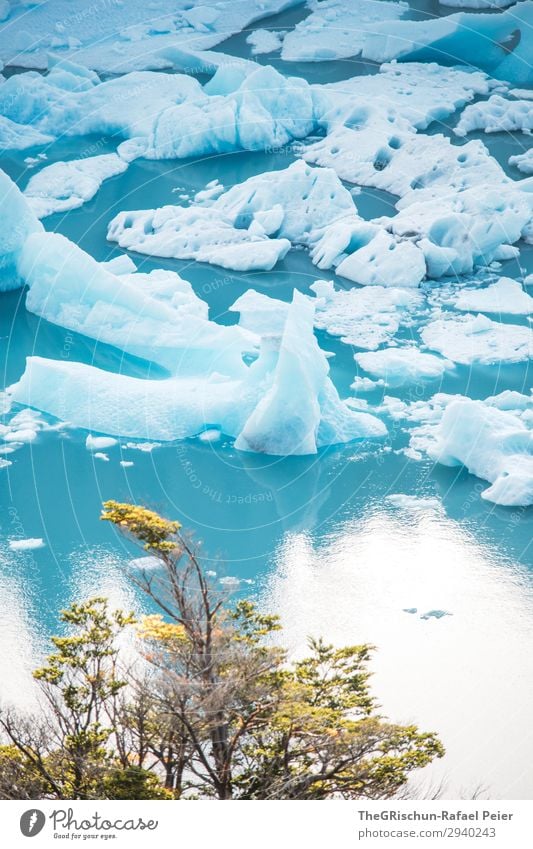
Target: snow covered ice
(67, 185)
(505, 296)
(472, 339)
(397, 366)
(497, 115)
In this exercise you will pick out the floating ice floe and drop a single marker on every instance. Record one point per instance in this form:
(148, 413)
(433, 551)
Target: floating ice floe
(398, 366)
(506, 296)
(457, 206)
(496, 115)
(265, 41)
(171, 36)
(523, 161)
(252, 226)
(365, 318)
(249, 227)
(156, 316)
(284, 404)
(68, 185)
(30, 544)
(493, 439)
(492, 444)
(469, 339)
(413, 503)
(23, 428)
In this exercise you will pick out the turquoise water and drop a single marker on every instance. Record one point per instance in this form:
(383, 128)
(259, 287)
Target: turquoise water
(315, 537)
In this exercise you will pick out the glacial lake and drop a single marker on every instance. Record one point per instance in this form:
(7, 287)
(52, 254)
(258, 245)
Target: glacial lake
(312, 538)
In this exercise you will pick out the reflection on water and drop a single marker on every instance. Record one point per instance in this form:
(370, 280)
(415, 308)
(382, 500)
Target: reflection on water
(466, 673)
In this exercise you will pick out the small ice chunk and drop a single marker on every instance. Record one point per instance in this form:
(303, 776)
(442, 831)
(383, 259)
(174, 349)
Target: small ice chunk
(505, 296)
(211, 435)
(29, 544)
(397, 366)
(95, 443)
(265, 41)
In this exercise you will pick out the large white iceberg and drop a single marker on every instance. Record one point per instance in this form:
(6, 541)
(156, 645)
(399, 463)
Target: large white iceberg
(251, 226)
(154, 316)
(284, 404)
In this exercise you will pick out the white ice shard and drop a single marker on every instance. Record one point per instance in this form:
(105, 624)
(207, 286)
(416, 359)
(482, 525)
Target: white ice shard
(17, 222)
(284, 404)
(471, 339)
(301, 410)
(496, 115)
(156, 316)
(398, 366)
(506, 296)
(493, 445)
(68, 185)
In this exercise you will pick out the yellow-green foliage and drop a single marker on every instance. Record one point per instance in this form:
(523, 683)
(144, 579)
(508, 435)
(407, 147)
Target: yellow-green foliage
(144, 525)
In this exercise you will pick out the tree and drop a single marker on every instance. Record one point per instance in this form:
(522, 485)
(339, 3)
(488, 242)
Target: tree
(251, 725)
(70, 751)
(214, 708)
